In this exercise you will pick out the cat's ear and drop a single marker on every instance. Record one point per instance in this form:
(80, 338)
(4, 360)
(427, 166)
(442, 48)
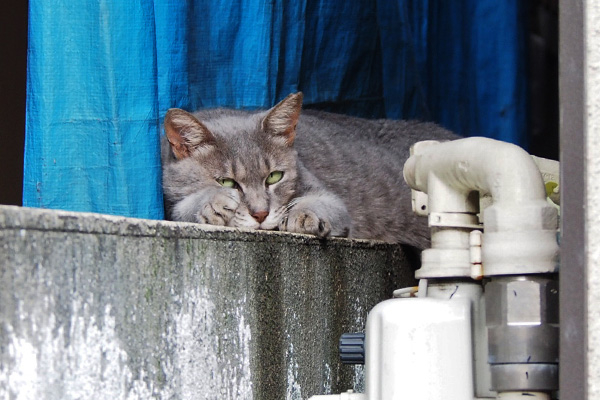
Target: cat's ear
(281, 120)
(186, 133)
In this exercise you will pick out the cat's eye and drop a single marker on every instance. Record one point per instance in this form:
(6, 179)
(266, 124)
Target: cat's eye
(227, 182)
(274, 177)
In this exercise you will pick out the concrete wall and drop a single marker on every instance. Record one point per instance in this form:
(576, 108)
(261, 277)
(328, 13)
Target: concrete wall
(99, 307)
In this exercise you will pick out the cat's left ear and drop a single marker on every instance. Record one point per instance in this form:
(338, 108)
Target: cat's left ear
(186, 134)
(282, 119)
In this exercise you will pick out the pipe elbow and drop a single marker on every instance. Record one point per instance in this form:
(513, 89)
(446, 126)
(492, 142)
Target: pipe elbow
(504, 170)
(520, 225)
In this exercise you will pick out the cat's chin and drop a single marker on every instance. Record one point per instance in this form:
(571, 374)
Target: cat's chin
(261, 227)
(270, 224)
(268, 227)
(247, 225)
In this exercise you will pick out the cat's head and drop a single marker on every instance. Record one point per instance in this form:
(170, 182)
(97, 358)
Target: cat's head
(251, 154)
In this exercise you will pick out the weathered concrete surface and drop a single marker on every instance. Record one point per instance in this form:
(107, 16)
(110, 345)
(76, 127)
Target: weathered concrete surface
(590, 249)
(100, 307)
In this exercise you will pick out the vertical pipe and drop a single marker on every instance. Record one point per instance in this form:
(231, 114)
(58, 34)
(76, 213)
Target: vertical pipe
(572, 275)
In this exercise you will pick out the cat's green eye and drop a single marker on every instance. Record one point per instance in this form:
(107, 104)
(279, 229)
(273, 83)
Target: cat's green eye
(227, 182)
(274, 177)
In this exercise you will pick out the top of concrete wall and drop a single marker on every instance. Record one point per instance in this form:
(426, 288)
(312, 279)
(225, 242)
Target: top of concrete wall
(12, 217)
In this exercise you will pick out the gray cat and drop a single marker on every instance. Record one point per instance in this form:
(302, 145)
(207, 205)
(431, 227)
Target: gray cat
(317, 173)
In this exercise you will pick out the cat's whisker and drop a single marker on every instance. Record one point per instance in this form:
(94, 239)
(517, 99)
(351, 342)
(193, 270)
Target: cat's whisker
(291, 204)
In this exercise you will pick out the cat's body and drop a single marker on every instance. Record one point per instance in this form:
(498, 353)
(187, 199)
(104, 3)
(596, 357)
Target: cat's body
(329, 175)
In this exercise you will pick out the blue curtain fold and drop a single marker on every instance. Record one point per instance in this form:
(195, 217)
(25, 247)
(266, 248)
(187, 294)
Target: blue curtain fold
(91, 139)
(101, 76)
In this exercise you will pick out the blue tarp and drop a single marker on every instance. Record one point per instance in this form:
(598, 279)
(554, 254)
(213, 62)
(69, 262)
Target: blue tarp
(101, 75)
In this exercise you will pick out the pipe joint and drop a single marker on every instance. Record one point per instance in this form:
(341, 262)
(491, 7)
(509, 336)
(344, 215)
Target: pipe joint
(520, 226)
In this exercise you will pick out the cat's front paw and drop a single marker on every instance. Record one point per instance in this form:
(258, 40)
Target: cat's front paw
(219, 209)
(306, 221)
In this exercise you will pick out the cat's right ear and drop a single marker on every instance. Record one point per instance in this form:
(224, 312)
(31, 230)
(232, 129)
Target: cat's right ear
(186, 133)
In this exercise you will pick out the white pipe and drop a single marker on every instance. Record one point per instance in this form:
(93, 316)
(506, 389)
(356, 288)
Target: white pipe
(520, 226)
(502, 169)
(422, 347)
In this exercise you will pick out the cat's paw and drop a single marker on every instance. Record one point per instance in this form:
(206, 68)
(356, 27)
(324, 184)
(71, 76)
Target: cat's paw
(220, 208)
(306, 221)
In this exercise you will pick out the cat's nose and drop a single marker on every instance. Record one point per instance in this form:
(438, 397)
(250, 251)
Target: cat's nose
(260, 216)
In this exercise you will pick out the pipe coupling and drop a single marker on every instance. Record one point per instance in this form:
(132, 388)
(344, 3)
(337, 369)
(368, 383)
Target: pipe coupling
(522, 322)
